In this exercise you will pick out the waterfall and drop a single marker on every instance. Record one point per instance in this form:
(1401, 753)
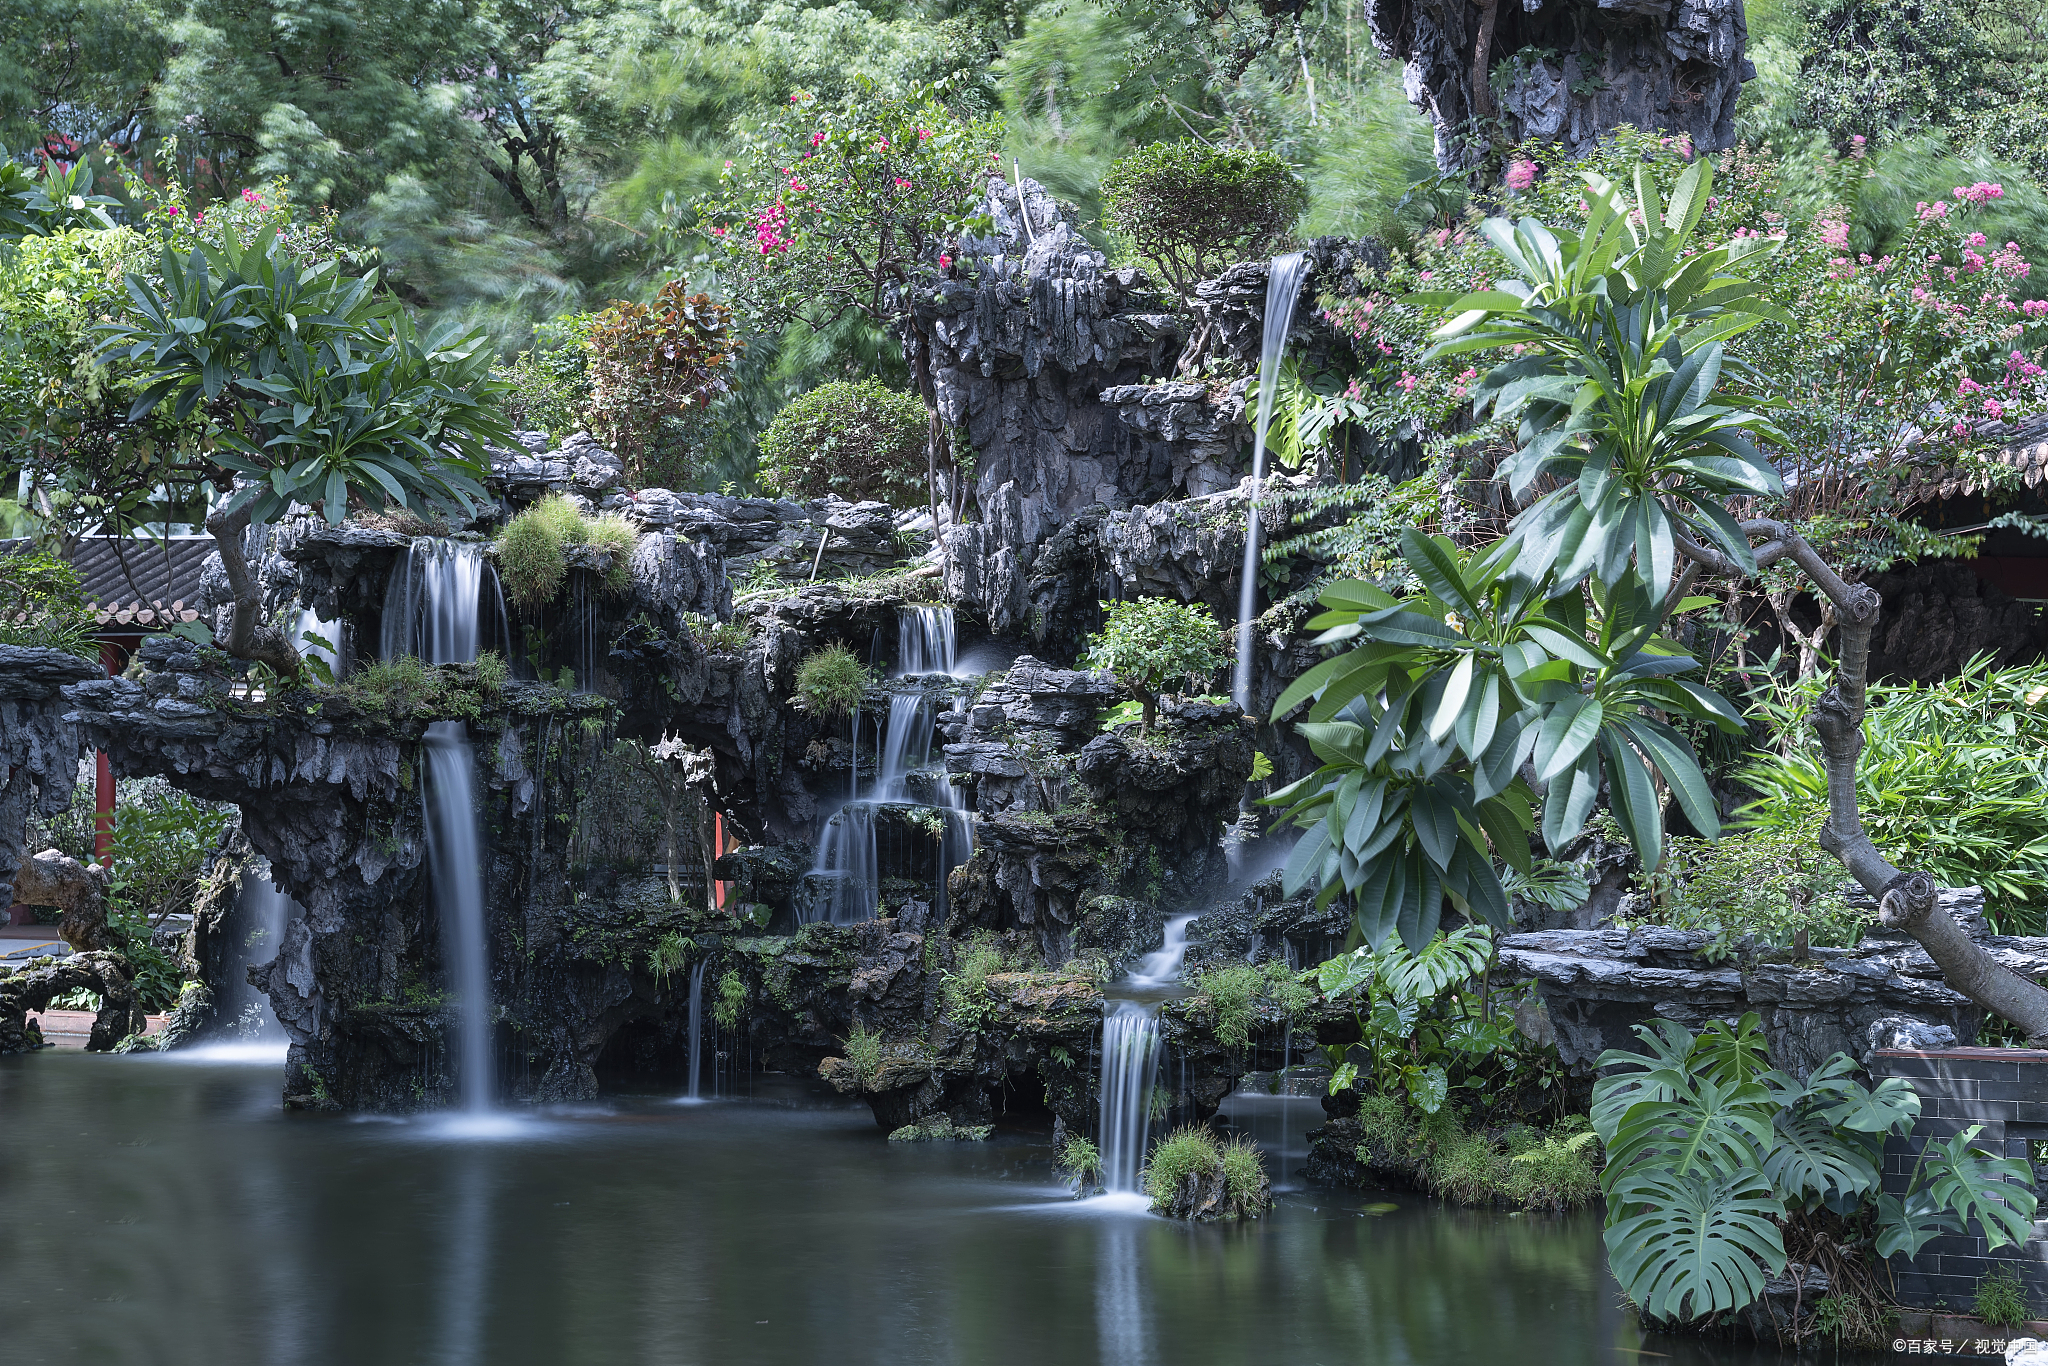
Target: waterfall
(1283, 286)
(1130, 1062)
(266, 911)
(431, 609)
(925, 642)
(697, 1028)
(909, 790)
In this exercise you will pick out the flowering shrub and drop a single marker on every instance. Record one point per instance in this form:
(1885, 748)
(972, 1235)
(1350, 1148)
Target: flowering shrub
(831, 209)
(1192, 209)
(856, 440)
(650, 368)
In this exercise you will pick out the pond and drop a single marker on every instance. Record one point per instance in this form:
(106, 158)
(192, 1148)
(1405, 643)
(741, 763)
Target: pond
(163, 1209)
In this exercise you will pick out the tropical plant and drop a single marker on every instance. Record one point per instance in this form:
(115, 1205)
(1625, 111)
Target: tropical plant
(1772, 887)
(59, 198)
(1149, 643)
(302, 385)
(1710, 1152)
(1548, 645)
(1191, 208)
(651, 367)
(859, 440)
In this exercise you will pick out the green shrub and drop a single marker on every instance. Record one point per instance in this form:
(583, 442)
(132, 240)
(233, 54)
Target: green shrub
(1385, 1131)
(42, 605)
(2001, 1300)
(1247, 1190)
(1192, 209)
(491, 673)
(1081, 1161)
(720, 637)
(1555, 1171)
(864, 1052)
(857, 440)
(1949, 780)
(1152, 642)
(404, 687)
(161, 838)
(1764, 884)
(550, 381)
(1186, 1151)
(532, 549)
(830, 681)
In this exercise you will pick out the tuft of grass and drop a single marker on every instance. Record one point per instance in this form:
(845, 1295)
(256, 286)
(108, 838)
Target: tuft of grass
(719, 637)
(1248, 1191)
(1385, 1129)
(1187, 1151)
(1081, 1161)
(864, 1052)
(2001, 1300)
(670, 955)
(830, 681)
(491, 674)
(1234, 992)
(613, 535)
(532, 549)
(1554, 1171)
(965, 990)
(1466, 1168)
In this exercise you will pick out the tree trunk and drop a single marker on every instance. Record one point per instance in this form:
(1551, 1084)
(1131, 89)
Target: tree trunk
(249, 636)
(1905, 901)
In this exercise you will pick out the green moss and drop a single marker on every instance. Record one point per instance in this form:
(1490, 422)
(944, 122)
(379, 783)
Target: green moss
(830, 681)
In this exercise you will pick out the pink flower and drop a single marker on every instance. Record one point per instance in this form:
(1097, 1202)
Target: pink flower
(817, 138)
(944, 261)
(901, 183)
(1834, 232)
(1521, 174)
(923, 133)
(1930, 212)
(172, 211)
(1994, 407)
(1968, 386)
(1975, 239)
(1856, 146)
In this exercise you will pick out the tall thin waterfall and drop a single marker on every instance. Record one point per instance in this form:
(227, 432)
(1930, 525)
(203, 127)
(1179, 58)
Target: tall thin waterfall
(697, 1028)
(910, 791)
(266, 911)
(1130, 1062)
(431, 609)
(1283, 286)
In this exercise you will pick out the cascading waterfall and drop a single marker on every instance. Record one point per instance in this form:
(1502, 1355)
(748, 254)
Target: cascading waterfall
(267, 911)
(1283, 286)
(697, 1028)
(1130, 1061)
(846, 872)
(431, 609)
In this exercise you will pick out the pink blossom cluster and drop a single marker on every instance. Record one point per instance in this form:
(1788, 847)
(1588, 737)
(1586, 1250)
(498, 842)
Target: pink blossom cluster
(1521, 174)
(771, 228)
(1981, 193)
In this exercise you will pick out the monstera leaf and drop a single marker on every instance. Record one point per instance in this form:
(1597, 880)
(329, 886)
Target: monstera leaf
(1809, 1161)
(1702, 1125)
(1693, 1243)
(1998, 1192)
(1670, 1043)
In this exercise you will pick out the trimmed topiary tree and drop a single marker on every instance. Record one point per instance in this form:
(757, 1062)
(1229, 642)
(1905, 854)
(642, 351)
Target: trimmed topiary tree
(860, 441)
(1153, 642)
(1192, 209)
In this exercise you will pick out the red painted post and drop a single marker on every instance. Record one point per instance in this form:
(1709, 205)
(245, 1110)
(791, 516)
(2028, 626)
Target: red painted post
(718, 889)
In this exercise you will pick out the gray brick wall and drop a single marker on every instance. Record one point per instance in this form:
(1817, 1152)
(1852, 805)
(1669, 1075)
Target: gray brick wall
(2006, 1091)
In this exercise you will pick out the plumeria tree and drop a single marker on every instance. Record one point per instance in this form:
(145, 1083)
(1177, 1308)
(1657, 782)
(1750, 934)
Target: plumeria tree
(833, 209)
(1635, 427)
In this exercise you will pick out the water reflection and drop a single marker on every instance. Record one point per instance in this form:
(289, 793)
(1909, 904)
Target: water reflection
(159, 1211)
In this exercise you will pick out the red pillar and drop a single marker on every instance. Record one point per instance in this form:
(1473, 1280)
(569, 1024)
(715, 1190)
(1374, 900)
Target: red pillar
(718, 889)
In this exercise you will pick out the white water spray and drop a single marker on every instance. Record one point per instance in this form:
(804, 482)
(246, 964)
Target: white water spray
(431, 609)
(1283, 287)
(1130, 1063)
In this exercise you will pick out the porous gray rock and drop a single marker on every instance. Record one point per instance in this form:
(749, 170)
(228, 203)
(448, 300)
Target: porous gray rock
(1598, 985)
(39, 745)
(105, 974)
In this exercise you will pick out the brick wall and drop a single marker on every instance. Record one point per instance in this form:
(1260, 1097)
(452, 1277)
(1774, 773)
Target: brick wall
(2006, 1091)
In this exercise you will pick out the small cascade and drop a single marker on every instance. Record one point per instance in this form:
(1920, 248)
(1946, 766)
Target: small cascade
(910, 795)
(1283, 286)
(266, 911)
(925, 641)
(697, 1028)
(432, 609)
(1130, 1061)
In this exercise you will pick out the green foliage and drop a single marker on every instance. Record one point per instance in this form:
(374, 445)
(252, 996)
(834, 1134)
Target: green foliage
(1194, 1152)
(2001, 1300)
(532, 549)
(1235, 993)
(670, 955)
(964, 991)
(161, 837)
(864, 1053)
(1192, 208)
(651, 367)
(42, 605)
(730, 1000)
(1150, 643)
(1556, 1171)
(1081, 1162)
(1520, 1166)
(308, 383)
(830, 681)
(1872, 66)
(858, 440)
(1763, 885)
(404, 688)
(1247, 1190)
(548, 384)
(1708, 1150)
(719, 636)
(1949, 780)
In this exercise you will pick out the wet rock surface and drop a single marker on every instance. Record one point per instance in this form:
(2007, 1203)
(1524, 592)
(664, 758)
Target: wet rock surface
(103, 973)
(1597, 985)
(39, 746)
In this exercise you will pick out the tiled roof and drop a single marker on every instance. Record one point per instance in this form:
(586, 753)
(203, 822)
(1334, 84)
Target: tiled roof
(147, 583)
(2023, 448)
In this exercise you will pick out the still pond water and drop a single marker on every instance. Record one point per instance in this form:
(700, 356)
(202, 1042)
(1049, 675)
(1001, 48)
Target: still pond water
(163, 1210)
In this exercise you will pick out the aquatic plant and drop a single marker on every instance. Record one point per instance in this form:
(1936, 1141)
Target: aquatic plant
(830, 681)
